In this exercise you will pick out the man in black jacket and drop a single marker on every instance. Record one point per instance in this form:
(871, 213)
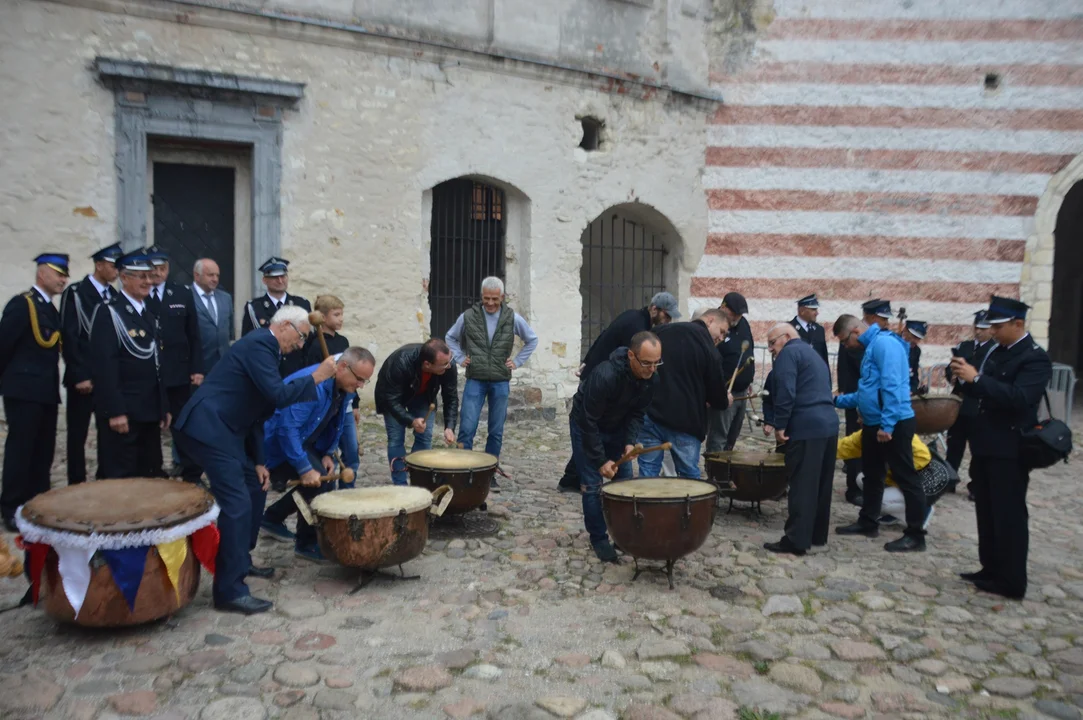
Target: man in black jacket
(30, 339)
(662, 310)
(1008, 386)
(973, 351)
(848, 372)
(77, 306)
(407, 384)
(607, 414)
(690, 380)
(808, 309)
(725, 424)
(914, 334)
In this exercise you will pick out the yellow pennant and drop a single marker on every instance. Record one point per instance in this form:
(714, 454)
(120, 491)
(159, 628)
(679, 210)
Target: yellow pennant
(173, 555)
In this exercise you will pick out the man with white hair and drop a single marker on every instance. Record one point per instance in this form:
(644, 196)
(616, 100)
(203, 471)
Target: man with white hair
(221, 427)
(481, 341)
(214, 309)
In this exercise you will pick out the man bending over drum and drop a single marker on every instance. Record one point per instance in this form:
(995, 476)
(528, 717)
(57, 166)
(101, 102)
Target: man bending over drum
(221, 428)
(301, 439)
(607, 414)
(406, 387)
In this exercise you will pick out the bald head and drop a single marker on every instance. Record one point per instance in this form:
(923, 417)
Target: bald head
(206, 274)
(778, 336)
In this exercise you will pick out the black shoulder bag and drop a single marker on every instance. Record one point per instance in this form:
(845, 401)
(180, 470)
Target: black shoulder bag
(1045, 444)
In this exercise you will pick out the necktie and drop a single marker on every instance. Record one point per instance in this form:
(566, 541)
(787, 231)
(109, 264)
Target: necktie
(105, 294)
(211, 306)
(278, 304)
(156, 298)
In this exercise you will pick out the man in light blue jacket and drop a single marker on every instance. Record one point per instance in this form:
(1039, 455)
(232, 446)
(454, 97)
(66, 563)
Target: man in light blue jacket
(883, 399)
(299, 440)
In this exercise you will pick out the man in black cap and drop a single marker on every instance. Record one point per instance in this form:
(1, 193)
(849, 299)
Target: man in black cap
(737, 351)
(181, 344)
(663, 309)
(1009, 384)
(77, 306)
(130, 403)
(808, 309)
(973, 351)
(259, 310)
(30, 383)
(914, 333)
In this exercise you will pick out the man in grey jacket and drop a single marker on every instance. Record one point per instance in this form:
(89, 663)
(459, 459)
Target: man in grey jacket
(214, 308)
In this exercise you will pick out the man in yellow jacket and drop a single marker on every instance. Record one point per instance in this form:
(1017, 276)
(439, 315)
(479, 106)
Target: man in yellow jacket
(893, 505)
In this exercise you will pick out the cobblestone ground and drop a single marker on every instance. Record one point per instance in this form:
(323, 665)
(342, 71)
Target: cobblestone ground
(527, 625)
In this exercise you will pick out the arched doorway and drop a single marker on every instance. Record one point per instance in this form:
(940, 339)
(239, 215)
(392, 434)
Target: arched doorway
(626, 260)
(469, 220)
(1066, 312)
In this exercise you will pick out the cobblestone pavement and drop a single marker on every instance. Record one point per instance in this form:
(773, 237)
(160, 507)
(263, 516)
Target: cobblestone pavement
(527, 625)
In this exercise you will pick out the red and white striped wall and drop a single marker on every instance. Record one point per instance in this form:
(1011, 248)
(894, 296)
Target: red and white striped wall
(861, 154)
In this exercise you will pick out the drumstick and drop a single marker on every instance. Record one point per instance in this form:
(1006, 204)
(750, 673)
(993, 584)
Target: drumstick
(316, 320)
(737, 372)
(347, 475)
(640, 450)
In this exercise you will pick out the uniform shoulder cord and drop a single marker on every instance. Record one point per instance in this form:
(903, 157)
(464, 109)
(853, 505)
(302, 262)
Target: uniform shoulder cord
(36, 328)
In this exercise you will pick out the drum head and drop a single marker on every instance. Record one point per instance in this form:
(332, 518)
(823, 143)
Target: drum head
(451, 459)
(371, 502)
(118, 506)
(658, 488)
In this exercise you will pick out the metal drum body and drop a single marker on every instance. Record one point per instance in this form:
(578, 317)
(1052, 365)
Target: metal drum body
(748, 476)
(659, 518)
(468, 473)
(935, 413)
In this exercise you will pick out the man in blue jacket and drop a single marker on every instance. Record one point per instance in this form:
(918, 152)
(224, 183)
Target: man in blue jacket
(221, 428)
(301, 438)
(883, 399)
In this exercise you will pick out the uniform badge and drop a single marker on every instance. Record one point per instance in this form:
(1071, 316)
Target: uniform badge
(131, 310)
(142, 333)
(289, 301)
(132, 332)
(168, 292)
(266, 304)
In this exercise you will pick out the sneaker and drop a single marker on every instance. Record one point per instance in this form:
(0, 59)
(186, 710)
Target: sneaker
(277, 530)
(928, 516)
(311, 553)
(889, 520)
(605, 551)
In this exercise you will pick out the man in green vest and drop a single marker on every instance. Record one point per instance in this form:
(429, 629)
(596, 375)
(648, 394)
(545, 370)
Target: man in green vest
(481, 341)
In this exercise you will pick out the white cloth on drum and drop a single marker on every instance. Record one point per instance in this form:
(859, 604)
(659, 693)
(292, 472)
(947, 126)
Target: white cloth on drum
(112, 541)
(74, 568)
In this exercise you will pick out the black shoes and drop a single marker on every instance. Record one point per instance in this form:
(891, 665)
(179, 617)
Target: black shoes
(247, 605)
(261, 572)
(858, 529)
(971, 577)
(783, 546)
(605, 551)
(907, 543)
(996, 588)
(568, 487)
(854, 498)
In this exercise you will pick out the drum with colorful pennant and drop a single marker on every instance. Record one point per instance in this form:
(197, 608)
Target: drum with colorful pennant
(118, 552)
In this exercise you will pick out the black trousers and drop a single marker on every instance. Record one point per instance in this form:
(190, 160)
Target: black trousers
(28, 452)
(853, 467)
(810, 465)
(285, 506)
(77, 411)
(958, 435)
(136, 453)
(898, 454)
(1000, 503)
(177, 397)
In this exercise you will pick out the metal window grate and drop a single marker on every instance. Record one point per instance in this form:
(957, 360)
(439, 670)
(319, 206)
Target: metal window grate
(467, 234)
(623, 268)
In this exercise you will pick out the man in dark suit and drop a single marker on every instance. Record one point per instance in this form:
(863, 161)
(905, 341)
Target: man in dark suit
(848, 373)
(974, 352)
(30, 383)
(214, 309)
(130, 403)
(914, 333)
(1008, 386)
(221, 428)
(808, 309)
(724, 423)
(181, 345)
(77, 306)
(259, 310)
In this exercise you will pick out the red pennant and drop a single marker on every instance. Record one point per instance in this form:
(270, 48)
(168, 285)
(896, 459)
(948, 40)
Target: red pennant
(38, 553)
(205, 546)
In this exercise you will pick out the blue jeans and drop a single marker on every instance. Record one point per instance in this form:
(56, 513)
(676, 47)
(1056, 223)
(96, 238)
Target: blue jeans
(475, 393)
(685, 450)
(348, 447)
(591, 480)
(396, 438)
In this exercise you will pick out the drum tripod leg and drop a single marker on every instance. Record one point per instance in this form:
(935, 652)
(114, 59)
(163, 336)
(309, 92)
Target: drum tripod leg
(638, 569)
(669, 572)
(367, 577)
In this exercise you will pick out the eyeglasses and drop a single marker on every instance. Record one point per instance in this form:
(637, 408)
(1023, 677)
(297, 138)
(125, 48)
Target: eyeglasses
(648, 365)
(300, 334)
(357, 377)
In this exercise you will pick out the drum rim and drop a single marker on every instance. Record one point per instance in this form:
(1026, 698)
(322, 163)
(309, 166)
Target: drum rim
(938, 396)
(488, 464)
(709, 491)
(422, 502)
(724, 456)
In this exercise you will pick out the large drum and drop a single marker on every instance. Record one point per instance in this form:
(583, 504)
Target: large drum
(374, 527)
(935, 413)
(659, 518)
(468, 473)
(750, 477)
(118, 552)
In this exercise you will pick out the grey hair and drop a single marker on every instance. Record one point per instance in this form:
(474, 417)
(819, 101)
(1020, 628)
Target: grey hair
(492, 283)
(356, 354)
(787, 330)
(197, 269)
(292, 314)
(844, 324)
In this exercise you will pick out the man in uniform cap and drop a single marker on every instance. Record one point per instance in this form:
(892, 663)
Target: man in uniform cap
(77, 306)
(30, 383)
(181, 344)
(808, 309)
(914, 333)
(737, 351)
(1008, 385)
(130, 403)
(973, 351)
(259, 310)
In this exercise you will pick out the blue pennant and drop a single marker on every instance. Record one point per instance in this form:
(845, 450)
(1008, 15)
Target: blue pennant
(127, 568)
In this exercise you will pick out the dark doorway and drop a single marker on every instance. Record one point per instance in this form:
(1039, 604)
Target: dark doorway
(468, 221)
(623, 268)
(193, 217)
(1066, 313)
